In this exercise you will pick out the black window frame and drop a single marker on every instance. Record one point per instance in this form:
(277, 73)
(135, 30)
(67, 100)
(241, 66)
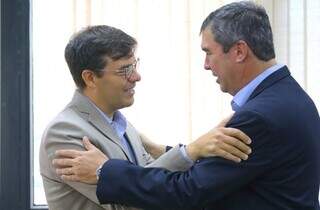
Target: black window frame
(15, 114)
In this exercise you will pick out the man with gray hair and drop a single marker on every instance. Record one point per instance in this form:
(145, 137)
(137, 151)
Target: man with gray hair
(270, 107)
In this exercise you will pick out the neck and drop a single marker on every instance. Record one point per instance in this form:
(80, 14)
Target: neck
(251, 71)
(99, 103)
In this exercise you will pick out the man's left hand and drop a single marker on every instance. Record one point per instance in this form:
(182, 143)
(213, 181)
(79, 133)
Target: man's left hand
(79, 166)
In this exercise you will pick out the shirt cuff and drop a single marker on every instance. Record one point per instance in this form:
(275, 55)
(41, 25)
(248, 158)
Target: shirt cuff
(185, 154)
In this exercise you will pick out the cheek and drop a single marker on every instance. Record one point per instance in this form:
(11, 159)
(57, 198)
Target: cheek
(111, 88)
(114, 83)
(215, 64)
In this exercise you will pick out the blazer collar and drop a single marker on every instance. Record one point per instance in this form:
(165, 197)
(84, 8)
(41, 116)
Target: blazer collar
(90, 113)
(270, 80)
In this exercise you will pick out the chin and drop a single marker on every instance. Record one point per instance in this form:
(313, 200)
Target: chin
(223, 89)
(128, 102)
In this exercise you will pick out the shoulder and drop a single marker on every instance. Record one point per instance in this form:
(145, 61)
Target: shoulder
(67, 122)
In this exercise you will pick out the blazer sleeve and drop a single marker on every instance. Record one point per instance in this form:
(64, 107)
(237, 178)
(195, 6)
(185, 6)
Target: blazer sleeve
(63, 135)
(205, 183)
(172, 160)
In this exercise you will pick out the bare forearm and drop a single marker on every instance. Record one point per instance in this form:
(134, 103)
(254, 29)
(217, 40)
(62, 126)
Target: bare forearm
(155, 150)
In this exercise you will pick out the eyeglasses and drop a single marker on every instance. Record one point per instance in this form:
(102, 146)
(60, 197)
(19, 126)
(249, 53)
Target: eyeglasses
(127, 71)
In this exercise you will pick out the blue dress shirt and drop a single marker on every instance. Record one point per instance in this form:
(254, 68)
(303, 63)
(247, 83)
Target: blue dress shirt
(119, 124)
(242, 96)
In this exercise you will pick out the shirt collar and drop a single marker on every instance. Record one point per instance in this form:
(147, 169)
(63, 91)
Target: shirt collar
(119, 122)
(243, 94)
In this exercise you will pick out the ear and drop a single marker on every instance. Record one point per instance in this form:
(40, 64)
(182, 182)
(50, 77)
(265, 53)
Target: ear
(89, 78)
(240, 51)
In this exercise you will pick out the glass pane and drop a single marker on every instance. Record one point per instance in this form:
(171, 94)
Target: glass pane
(52, 84)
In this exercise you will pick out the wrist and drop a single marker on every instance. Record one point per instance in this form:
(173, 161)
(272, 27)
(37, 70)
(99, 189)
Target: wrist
(157, 150)
(162, 149)
(98, 170)
(192, 152)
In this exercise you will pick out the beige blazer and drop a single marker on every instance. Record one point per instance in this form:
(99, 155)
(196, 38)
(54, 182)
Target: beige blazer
(80, 118)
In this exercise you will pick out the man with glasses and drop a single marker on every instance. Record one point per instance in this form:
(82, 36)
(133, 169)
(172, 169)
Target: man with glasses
(103, 65)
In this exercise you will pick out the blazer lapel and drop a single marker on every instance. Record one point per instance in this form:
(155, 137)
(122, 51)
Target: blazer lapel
(135, 142)
(92, 115)
(270, 80)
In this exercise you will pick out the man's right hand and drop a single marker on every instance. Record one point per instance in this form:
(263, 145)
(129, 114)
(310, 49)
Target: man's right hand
(79, 166)
(228, 143)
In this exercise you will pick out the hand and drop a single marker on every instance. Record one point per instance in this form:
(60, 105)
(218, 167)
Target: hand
(228, 143)
(155, 150)
(79, 166)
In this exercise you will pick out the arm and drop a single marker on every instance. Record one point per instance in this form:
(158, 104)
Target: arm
(224, 142)
(205, 146)
(155, 150)
(172, 160)
(64, 135)
(205, 183)
(228, 143)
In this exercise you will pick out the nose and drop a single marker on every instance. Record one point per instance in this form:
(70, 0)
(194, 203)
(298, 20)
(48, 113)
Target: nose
(135, 77)
(206, 65)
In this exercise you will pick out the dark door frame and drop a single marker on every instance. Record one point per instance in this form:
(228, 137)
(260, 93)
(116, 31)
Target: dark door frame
(15, 113)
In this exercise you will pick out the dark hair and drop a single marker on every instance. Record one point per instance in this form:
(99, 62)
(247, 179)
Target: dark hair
(90, 48)
(245, 21)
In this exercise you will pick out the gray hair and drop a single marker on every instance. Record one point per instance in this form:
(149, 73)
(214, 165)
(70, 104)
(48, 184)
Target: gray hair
(245, 21)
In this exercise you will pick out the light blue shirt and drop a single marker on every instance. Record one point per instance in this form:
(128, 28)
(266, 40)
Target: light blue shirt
(243, 95)
(119, 124)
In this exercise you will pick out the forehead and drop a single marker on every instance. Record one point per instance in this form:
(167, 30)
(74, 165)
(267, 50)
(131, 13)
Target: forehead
(120, 62)
(207, 40)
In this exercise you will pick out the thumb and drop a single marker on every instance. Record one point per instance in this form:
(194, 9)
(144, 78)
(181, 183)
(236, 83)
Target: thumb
(87, 144)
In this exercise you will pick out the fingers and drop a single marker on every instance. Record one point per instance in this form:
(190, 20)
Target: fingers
(65, 171)
(72, 178)
(63, 163)
(233, 152)
(77, 178)
(69, 153)
(236, 133)
(87, 144)
(230, 144)
(237, 144)
(223, 154)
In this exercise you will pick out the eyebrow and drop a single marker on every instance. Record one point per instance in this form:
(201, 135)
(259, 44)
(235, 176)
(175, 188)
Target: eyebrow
(125, 66)
(205, 49)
